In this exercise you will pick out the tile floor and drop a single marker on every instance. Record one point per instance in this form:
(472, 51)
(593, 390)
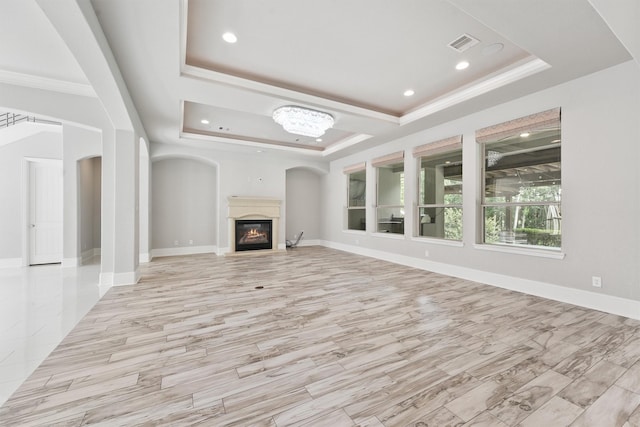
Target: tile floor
(39, 306)
(318, 337)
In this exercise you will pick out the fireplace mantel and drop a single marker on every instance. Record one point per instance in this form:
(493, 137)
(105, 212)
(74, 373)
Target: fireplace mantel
(243, 207)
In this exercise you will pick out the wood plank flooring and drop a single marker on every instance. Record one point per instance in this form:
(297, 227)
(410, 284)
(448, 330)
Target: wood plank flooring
(332, 339)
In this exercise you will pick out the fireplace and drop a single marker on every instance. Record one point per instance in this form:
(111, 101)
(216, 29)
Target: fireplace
(253, 234)
(257, 211)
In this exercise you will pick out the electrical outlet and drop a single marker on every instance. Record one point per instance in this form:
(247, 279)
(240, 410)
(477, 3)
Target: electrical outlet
(426, 253)
(596, 281)
(191, 242)
(175, 243)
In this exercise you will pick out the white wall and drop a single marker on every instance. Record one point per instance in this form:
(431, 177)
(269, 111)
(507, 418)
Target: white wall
(600, 188)
(44, 144)
(184, 194)
(303, 204)
(243, 173)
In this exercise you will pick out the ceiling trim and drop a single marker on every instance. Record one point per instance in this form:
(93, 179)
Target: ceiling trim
(524, 68)
(288, 95)
(234, 137)
(345, 143)
(270, 145)
(45, 83)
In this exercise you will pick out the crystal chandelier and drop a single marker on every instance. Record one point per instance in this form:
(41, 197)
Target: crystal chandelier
(303, 121)
(493, 157)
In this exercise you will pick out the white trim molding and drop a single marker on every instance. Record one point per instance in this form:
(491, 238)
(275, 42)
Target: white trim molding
(128, 278)
(519, 250)
(119, 279)
(106, 279)
(607, 303)
(39, 82)
(145, 257)
(312, 242)
(186, 250)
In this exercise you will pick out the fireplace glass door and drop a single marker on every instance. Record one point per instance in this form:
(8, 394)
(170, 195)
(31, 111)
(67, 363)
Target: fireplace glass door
(253, 234)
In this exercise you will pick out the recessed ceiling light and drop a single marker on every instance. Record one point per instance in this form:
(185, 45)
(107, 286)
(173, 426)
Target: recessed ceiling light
(204, 121)
(555, 140)
(462, 65)
(447, 162)
(409, 92)
(229, 37)
(318, 139)
(258, 151)
(524, 134)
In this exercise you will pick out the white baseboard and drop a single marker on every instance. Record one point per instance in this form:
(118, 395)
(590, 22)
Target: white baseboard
(119, 279)
(312, 242)
(88, 255)
(186, 250)
(71, 262)
(607, 303)
(10, 262)
(129, 278)
(106, 279)
(222, 251)
(145, 257)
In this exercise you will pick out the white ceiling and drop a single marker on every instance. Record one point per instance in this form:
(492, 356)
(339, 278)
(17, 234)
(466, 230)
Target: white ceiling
(352, 59)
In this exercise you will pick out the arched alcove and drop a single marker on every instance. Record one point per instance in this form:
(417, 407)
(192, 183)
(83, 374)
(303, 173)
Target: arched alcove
(303, 203)
(184, 206)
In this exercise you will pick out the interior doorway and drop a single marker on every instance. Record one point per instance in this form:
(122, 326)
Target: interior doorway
(90, 208)
(45, 211)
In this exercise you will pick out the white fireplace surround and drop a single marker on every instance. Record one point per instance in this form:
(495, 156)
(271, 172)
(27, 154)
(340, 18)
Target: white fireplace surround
(243, 208)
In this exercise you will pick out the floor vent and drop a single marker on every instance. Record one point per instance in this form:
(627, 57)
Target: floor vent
(463, 43)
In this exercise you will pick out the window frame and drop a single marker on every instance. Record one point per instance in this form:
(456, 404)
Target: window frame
(427, 151)
(490, 134)
(379, 163)
(359, 168)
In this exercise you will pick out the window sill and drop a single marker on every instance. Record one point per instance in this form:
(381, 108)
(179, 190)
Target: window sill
(542, 253)
(362, 232)
(443, 242)
(396, 236)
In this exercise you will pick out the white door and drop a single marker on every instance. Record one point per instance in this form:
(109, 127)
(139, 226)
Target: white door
(45, 212)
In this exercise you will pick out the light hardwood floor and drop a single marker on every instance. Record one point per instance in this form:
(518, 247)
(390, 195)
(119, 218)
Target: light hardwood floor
(332, 339)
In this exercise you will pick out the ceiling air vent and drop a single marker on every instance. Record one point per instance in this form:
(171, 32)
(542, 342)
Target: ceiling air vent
(463, 43)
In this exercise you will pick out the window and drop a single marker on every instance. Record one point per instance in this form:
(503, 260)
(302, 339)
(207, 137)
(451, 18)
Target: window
(356, 197)
(390, 193)
(522, 181)
(439, 209)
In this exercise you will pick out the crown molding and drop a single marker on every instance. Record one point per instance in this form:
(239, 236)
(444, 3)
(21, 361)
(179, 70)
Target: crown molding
(45, 83)
(524, 68)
